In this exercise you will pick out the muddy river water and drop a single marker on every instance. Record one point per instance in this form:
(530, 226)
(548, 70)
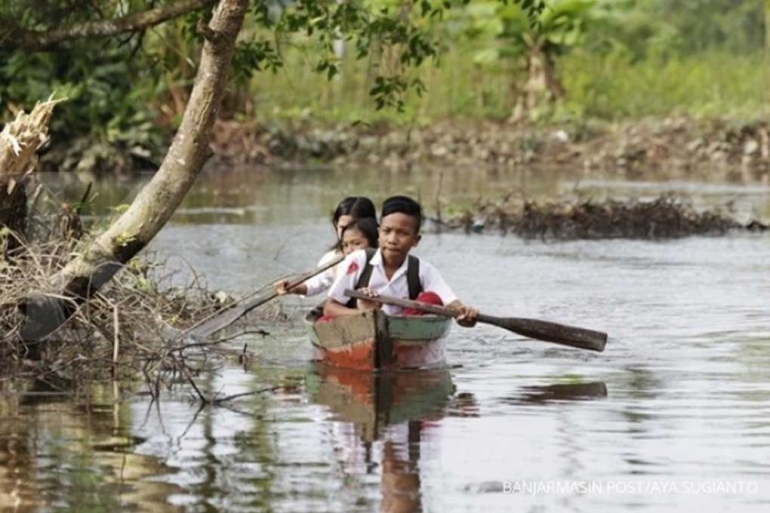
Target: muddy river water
(674, 415)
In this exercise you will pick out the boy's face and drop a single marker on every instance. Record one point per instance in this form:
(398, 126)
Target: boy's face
(398, 235)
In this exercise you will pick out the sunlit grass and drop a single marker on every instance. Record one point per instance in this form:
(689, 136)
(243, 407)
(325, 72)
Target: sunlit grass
(606, 87)
(710, 85)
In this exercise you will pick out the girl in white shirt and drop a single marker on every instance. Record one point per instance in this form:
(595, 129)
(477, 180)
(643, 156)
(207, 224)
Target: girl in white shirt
(347, 211)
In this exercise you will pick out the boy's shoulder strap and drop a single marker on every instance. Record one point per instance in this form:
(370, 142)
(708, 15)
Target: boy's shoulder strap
(413, 277)
(412, 274)
(366, 274)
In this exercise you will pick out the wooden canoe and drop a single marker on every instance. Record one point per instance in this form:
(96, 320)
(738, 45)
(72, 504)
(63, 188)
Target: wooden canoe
(373, 340)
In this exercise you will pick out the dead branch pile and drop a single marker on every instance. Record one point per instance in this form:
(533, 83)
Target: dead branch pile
(664, 217)
(132, 326)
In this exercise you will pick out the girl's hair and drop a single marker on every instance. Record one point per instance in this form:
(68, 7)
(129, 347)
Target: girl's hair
(354, 206)
(358, 207)
(368, 227)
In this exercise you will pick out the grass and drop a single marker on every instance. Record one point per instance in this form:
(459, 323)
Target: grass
(704, 86)
(606, 87)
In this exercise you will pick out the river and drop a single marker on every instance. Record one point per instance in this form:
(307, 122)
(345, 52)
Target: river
(674, 415)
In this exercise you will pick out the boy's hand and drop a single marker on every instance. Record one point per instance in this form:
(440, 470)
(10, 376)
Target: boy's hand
(467, 316)
(368, 305)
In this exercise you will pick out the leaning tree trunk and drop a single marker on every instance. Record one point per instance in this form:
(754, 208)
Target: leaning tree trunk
(19, 142)
(97, 264)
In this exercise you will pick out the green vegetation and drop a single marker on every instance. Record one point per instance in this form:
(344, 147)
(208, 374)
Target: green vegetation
(559, 60)
(613, 60)
(712, 84)
(605, 87)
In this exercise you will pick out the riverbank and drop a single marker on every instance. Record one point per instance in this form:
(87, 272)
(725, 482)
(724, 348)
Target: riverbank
(670, 148)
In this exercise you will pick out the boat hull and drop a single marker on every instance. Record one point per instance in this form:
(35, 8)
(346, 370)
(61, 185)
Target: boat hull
(373, 340)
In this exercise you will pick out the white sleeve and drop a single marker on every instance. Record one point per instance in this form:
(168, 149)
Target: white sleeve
(321, 282)
(433, 282)
(350, 271)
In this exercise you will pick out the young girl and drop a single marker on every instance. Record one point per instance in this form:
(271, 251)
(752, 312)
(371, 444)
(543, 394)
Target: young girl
(360, 234)
(348, 210)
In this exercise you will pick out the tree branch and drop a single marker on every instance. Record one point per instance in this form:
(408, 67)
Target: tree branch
(96, 264)
(13, 37)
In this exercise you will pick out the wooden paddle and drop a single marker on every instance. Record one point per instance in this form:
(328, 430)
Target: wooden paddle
(227, 315)
(571, 336)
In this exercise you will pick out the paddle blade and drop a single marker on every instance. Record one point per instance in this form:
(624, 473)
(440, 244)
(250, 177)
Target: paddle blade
(571, 336)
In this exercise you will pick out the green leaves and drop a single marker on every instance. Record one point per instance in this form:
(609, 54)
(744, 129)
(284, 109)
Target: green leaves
(252, 56)
(370, 26)
(329, 66)
(387, 91)
(390, 91)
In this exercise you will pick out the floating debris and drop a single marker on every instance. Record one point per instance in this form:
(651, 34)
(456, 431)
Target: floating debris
(665, 217)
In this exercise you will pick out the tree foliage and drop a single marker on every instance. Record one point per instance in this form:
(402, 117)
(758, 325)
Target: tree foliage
(124, 91)
(661, 27)
(114, 85)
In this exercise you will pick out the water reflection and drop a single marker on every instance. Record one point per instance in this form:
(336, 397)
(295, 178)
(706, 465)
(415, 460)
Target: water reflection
(380, 422)
(56, 452)
(249, 196)
(559, 392)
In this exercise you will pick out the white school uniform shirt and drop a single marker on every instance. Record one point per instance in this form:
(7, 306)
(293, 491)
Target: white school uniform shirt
(321, 282)
(398, 286)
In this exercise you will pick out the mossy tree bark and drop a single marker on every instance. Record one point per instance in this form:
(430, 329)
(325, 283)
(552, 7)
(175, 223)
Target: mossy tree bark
(97, 264)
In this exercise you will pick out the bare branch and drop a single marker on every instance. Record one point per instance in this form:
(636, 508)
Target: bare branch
(14, 37)
(221, 400)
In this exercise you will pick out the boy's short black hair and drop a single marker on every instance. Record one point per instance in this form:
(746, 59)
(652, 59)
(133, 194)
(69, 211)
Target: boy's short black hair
(403, 205)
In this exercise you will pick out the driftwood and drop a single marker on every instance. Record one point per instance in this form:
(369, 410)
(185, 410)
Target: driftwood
(19, 142)
(22, 137)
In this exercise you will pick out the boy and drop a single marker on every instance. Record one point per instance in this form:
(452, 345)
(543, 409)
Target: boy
(391, 271)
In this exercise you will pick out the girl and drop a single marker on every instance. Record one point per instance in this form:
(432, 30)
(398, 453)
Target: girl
(348, 210)
(360, 234)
